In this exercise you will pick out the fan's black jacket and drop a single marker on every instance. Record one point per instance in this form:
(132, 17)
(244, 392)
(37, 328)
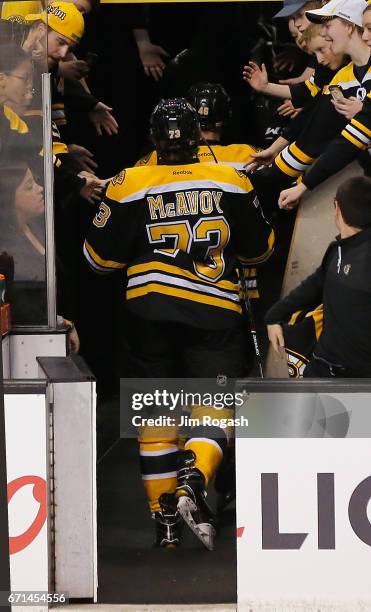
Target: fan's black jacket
(342, 282)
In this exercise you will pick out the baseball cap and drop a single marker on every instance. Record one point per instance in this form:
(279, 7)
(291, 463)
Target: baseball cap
(350, 10)
(17, 11)
(64, 18)
(290, 7)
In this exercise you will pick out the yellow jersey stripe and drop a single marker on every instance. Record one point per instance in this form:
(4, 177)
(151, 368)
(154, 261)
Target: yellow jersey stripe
(300, 155)
(184, 294)
(265, 256)
(105, 263)
(285, 168)
(357, 143)
(157, 265)
(361, 127)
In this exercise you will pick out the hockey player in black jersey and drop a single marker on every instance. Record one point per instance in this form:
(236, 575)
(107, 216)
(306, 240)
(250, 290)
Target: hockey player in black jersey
(179, 229)
(213, 107)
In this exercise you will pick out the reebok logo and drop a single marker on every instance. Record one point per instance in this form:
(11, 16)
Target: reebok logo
(57, 12)
(182, 172)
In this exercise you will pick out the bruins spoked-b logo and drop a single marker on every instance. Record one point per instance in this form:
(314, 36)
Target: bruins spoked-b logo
(347, 269)
(361, 93)
(296, 364)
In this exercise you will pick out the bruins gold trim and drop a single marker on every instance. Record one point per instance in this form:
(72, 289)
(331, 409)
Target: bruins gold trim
(184, 294)
(105, 263)
(157, 265)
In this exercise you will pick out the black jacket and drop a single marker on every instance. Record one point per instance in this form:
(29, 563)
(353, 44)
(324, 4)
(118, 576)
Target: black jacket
(343, 284)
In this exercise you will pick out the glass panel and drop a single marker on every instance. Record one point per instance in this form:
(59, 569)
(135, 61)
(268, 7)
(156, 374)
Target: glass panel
(23, 60)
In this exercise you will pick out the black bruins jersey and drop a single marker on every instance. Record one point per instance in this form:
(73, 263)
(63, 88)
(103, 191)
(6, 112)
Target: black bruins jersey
(235, 155)
(355, 137)
(180, 231)
(304, 93)
(325, 124)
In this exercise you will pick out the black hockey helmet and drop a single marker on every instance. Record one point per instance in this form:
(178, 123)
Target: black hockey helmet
(212, 103)
(175, 128)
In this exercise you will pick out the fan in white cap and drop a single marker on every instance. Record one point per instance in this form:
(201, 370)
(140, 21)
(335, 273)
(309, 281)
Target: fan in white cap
(350, 10)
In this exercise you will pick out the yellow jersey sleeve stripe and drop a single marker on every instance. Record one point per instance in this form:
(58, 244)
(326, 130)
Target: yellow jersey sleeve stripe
(261, 258)
(285, 168)
(253, 294)
(104, 263)
(361, 127)
(184, 294)
(300, 154)
(353, 140)
(158, 265)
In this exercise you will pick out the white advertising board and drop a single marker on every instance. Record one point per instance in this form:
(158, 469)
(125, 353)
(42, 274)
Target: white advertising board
(27, 459)
(303, 520)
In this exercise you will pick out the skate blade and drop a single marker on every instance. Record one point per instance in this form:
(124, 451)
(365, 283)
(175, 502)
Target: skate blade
(203, 531)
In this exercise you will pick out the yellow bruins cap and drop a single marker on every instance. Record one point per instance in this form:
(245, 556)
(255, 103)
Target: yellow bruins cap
(62, 17)
(17, 11)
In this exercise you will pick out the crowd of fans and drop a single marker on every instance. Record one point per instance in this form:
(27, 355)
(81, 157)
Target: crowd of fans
(180, 156)
(298, 88)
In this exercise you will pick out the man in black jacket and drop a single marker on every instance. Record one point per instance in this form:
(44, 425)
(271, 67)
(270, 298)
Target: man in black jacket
(342, 283)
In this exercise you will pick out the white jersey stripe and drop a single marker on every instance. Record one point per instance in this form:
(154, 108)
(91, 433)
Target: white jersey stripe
(94, 264)
(158, 453)
(291, 161)
(180, 282)
(357, 133)
(159, 476)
